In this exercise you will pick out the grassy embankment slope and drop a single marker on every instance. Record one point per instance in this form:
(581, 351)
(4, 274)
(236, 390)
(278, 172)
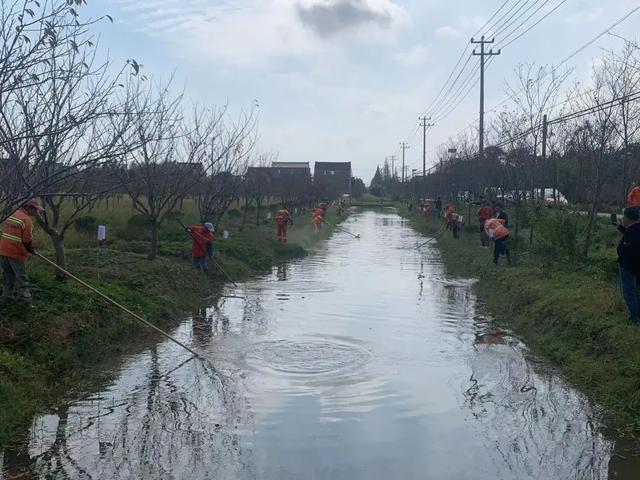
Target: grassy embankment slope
(567, 309)
(49, 350)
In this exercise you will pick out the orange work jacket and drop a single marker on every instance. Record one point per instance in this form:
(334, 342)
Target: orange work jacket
(16, 234)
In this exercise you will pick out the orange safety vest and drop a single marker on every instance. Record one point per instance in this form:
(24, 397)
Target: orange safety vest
(317, 215)
(492, 226)
(633, 199)
(283, 217)
(15, 233)
(501, 232)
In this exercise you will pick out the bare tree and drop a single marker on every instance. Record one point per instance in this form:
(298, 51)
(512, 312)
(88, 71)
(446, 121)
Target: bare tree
(535, 96)
(77, 119)
(33, 35)
(226, 163)
(623, 76)
(257, 184)
(154, 180)
(593, 139)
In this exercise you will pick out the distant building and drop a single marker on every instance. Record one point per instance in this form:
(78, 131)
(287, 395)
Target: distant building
(301, 169)
(332, 179)
(291, 181)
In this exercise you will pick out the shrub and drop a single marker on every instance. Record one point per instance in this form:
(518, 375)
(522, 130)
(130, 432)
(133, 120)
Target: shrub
(556, 235)
(87, 224)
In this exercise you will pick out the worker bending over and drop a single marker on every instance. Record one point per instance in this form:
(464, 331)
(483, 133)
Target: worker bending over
(16, 237)
(498, 232)
(202, 245)
(283, 220)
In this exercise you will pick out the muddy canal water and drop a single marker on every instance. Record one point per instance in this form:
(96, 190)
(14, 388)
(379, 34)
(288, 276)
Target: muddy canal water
(362, 361)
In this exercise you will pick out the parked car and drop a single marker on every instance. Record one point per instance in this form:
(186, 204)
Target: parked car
(550, 200)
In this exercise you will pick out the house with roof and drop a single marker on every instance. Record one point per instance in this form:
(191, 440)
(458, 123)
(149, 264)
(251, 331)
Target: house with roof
(332, 179)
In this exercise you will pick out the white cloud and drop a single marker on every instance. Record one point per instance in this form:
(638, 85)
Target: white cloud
(375, 110)
(254, 32)
(448, 32)
(416, 55)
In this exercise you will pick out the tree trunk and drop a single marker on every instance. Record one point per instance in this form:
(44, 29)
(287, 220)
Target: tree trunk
(258, 205)
(60, 257)
(246, 212)
(590, 224)
(153, 249)
(625, 166)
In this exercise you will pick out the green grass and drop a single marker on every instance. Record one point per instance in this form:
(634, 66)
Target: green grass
(568, 310)
(48, 351)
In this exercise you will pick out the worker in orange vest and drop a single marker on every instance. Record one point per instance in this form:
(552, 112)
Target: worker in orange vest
(202, 245)
(452, 220)
(323, 206)
(283, 219)
(496, 231)
(426, 211)
(317, 218)
(16, 242)
(484, 213)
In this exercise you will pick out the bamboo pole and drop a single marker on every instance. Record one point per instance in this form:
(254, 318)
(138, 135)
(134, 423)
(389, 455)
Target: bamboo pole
(121, 307)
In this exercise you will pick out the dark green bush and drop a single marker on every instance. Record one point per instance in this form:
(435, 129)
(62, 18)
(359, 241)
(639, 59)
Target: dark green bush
(556, 235)
(87, 224)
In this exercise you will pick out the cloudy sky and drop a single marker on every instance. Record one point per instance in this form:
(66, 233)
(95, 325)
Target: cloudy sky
(345, 80)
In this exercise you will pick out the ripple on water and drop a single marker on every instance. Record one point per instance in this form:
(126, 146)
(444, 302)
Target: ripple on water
(308, 359)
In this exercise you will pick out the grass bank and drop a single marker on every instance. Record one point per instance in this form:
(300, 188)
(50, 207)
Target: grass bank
(566, 309)
(49, 351)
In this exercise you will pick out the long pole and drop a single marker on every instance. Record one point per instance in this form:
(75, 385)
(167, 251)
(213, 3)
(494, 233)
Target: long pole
(342, 229)
(424, 126)
(403, 146)
(482, 42)
(121, 307)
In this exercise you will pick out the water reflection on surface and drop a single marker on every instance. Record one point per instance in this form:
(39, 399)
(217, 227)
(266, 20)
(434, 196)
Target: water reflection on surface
(363, 361)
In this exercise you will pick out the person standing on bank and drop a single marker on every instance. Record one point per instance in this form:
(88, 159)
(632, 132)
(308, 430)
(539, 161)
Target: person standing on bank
(629, 262)
(16, 237)
(202, 245)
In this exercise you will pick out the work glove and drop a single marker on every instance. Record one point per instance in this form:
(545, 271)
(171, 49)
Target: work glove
(29, 248)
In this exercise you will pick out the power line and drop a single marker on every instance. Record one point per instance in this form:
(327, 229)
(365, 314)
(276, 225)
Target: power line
(515, 18)
(572, 55)
(550, 12)
(455, 68)
(456, 100)
(578, 51)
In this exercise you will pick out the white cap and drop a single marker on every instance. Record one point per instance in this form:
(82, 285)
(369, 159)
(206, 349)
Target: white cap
(209, 226)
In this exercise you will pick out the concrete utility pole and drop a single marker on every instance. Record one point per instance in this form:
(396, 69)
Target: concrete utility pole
(424, 126)
(482, 54)
(403, 146)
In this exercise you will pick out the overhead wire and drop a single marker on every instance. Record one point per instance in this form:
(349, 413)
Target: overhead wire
(565, 60)
(456, 100)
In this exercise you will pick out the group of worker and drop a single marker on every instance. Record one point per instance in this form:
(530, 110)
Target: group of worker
(493, 223)
(318, 218)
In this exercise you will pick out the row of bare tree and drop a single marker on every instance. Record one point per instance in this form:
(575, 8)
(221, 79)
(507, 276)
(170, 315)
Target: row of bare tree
(586, 145)
(75, 127)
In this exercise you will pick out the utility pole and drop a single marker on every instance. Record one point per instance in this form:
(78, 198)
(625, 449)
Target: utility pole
(482, 54)
(424, 126)
(393, 166)
(403, 146)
